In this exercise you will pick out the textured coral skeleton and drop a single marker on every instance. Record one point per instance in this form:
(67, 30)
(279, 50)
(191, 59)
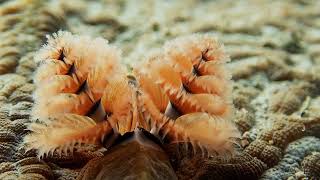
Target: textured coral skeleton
(16, 29)
(266, 60)
(84, 95)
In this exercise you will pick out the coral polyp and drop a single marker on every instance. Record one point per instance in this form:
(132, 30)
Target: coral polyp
(85, 96)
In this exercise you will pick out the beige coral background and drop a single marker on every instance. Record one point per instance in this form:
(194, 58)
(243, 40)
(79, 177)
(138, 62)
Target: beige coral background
(275, 52)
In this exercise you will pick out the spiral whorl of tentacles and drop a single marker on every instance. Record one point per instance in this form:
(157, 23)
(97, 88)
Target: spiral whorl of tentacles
(186, 90)
(84, 95)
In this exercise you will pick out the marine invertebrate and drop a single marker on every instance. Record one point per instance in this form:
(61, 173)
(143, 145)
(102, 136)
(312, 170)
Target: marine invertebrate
(250, 43)
(194, 89)
(75, 82)
(101, 102)
(150, 162)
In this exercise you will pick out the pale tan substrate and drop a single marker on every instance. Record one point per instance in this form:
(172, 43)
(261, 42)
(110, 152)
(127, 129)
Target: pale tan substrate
(274, 47)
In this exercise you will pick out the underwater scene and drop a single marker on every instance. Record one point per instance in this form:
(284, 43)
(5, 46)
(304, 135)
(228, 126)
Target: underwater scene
(159, 89)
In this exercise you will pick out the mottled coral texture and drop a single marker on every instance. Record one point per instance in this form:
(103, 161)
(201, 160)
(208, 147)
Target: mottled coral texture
(274, 47)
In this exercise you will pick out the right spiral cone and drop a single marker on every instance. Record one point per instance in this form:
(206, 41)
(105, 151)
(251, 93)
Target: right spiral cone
(186, 92)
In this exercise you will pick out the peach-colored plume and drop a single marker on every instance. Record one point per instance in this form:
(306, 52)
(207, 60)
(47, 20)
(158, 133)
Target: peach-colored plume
(190, 72)
(64, 133)
(73, 74)
(83, 93)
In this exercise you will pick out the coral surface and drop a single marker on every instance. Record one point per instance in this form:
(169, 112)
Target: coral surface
(273, 45)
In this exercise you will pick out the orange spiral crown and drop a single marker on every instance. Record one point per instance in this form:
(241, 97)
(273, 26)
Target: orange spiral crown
(83, 94)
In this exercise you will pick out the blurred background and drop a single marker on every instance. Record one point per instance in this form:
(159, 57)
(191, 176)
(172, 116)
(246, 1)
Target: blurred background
(247, 27)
